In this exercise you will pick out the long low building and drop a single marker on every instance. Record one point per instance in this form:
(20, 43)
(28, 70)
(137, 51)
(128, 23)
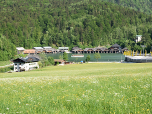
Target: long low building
(138, 59)
(113, 49)
(47, 49)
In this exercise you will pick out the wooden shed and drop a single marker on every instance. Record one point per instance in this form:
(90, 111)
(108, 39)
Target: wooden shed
(60, 61)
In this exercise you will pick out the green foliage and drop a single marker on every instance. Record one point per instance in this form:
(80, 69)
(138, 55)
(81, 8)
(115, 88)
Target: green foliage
(5, 69)
(20, 55)
(7, 49)
(43, 59)
(97, 56)
(88, 58)
(57, 63)
(87, 23)
(3, 63)
(60, 57)
(51, 60)
(65, 56)
(137, 5)
(40, 64)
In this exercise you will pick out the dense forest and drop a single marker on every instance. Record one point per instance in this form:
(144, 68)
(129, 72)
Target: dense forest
(83, 23)
(138, 5)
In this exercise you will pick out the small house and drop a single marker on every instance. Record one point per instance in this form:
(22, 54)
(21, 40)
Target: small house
(115, 48)
(25, 64)
(20, 50)
(138, 38)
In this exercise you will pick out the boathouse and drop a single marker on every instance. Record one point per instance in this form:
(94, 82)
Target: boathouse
(77, 50)
(38, 50)
(89, 50)
(29, 51)
(47, 49)
(115, 48)
(63, 49)
(25, 64)
(99, 50)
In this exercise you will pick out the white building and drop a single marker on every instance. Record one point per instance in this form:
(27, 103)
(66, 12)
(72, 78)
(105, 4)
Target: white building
(138, 38)
(25, 64)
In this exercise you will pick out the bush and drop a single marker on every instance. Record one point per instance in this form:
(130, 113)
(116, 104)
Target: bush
(51, 60)
(88, 58)
(40, 64)
(57, 63)
(5, 69)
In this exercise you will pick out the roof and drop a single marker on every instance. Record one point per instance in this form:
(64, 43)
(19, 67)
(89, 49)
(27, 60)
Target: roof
(63, 47)
(86, 49)
(29, 51)
(26, 60)
(53, 49)
(125, 48)
(115, 46)
(20, 48)
(100, 48)
(76, 47)
(37, 48)
(59, 60)
(47, 47)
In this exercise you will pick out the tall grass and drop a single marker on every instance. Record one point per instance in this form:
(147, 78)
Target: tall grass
(88, 88)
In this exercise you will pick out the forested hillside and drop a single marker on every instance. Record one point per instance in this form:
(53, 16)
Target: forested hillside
(138, 5)
(86, 23)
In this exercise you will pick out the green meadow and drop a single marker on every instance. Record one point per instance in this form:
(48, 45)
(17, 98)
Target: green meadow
(3, 63)
(91, 88)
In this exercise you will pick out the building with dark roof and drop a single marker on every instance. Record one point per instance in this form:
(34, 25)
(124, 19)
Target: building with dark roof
(115, 48)
(77, 50)
(25, 64)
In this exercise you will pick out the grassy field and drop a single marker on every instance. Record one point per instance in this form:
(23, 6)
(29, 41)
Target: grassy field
(101, 88)
(3, 63)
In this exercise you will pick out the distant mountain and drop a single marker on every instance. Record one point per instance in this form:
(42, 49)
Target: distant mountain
(85, 23)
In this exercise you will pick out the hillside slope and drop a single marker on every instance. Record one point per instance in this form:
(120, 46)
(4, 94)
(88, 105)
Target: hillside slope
(138, 5)
(72, 22)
